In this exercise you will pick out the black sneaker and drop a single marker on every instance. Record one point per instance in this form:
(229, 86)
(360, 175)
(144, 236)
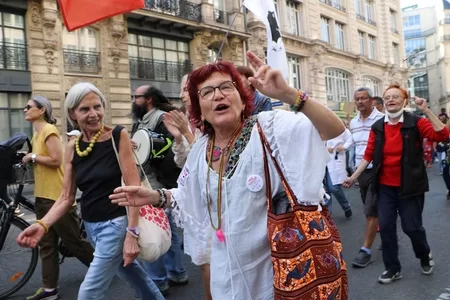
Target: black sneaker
(389, 277)
(427, 265)
(348, 213)
(362, 259)
(41, 294)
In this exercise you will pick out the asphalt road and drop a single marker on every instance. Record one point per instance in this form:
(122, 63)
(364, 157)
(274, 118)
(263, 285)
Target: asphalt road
(362, 282)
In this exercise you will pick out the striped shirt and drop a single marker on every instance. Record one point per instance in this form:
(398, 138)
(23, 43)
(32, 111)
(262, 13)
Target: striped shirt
(360, 133)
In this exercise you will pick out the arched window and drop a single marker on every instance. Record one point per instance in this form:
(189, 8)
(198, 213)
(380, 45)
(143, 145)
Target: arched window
(373, 84)
(337, 85)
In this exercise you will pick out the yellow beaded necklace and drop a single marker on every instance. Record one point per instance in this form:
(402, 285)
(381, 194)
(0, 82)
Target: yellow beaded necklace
(91, 144)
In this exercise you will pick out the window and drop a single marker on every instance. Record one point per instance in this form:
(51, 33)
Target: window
(410, 21)
(220, 14)
(83, 39)
(396, 53)
(372, 83)
(213, 55)
(12, 118)
(81, 54)
(294, 72)
(372, 49)
(293, 18)
(393, 17)
(13, 54)
(157, 58)
(358, 7)
(369, 10)
(414, 46)
(362, 46)
(447, 19)
(337, 85)
(340, 36)
(325, 29)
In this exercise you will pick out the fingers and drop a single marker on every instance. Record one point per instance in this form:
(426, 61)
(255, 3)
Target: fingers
(127, 189)
(254, 60)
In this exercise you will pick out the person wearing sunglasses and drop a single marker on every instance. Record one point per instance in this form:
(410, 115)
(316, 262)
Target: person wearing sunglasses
(47, 160)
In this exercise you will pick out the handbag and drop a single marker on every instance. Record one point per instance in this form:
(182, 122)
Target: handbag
(155, 236)
(306, 250)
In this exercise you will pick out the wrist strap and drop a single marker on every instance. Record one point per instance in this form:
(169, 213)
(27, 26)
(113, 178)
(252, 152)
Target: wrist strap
(40, 222)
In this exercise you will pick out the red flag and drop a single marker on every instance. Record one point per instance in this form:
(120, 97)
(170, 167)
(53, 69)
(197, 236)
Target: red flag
(79, 13)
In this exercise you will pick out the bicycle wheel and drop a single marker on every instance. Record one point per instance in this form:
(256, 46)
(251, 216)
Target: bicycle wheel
(17, 264)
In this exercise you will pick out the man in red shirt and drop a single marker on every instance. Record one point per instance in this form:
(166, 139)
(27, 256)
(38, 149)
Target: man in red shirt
(396, 152)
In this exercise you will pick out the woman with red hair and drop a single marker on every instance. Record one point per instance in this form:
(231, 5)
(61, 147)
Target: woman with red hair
(221, 188)
(399, 176)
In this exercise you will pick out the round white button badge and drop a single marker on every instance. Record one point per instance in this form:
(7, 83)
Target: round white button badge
(255, 183)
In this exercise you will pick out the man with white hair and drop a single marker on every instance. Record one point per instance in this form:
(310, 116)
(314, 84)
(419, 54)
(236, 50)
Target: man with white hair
(360, 127)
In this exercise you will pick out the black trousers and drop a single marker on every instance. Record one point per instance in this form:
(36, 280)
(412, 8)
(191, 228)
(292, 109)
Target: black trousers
(410, 211)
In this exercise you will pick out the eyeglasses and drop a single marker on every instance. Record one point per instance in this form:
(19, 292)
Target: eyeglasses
(28, 107)
(134, 97)
(209, 92)
(393, 97)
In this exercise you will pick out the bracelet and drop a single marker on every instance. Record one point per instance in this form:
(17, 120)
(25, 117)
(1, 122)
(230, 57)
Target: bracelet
(302, 97)
(162, 198)
(43, 225)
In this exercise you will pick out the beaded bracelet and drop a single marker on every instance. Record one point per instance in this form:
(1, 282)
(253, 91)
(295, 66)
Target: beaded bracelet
(162, 198)
(302, 97)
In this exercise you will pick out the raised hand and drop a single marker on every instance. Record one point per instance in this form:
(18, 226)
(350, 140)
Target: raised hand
(31, 236)
(171, 126)
(421, 103)
(269, 82)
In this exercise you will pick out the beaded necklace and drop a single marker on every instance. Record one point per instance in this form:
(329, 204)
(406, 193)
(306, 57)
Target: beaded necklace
(91, 144)
(218, 228)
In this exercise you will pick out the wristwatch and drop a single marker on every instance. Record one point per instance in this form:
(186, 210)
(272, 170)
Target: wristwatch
(134, 231)
(33, 157)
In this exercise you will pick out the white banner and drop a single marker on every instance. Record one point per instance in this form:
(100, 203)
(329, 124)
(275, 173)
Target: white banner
(264, 10)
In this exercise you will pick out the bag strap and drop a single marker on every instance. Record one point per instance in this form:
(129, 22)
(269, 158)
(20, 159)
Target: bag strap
(118, 158)
(266, 147)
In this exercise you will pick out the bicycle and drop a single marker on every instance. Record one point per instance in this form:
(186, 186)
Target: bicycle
(11, 197)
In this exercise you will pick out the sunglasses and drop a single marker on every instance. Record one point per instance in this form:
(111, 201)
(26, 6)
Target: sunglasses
(28, 107)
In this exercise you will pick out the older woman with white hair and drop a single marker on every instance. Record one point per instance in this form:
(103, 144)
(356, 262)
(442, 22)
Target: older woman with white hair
(91, 165)
(47, 158)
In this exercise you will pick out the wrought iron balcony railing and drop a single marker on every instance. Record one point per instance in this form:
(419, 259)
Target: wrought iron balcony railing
(334, 4)
(220, 16)
(365, 19)
(179, 8)
(144, 68)
(13, 56)
(77, 61)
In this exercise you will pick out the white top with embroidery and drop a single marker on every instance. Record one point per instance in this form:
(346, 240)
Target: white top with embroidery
(241, 267)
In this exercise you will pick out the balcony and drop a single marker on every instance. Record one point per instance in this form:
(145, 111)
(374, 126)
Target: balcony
(150, 69)
(179, 8)
(13, 56)
(394, 31)
(365, 19)
(77, 61)
(220, 16)
(334, 4)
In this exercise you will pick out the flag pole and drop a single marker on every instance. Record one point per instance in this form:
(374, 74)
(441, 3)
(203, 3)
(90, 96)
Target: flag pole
(219, 54)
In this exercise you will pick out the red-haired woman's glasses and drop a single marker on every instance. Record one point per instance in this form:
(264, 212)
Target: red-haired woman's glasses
(209, 92)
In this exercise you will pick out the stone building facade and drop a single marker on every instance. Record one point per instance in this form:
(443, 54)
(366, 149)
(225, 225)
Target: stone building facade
(333, 46)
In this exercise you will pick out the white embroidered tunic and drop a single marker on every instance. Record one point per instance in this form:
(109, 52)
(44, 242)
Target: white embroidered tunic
(241, 267)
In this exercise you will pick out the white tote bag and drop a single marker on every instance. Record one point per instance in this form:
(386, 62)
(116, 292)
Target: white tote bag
(155, 235)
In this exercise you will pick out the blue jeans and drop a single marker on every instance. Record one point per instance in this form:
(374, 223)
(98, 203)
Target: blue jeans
(170, 265)
(337, 191)
(107, 238)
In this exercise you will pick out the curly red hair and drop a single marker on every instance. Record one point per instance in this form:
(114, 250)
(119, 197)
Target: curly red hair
(398, 87)
(200, 75)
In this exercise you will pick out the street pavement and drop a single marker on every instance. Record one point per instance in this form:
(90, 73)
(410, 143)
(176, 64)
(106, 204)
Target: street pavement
(362, 282)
